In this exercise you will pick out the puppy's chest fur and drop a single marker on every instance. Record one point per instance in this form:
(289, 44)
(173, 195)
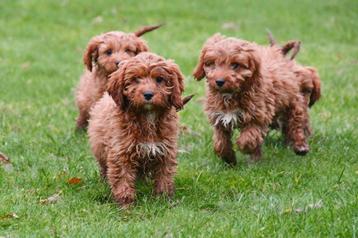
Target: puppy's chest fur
(227, 113)
(227, 119)
(150, 150)
(148, 142)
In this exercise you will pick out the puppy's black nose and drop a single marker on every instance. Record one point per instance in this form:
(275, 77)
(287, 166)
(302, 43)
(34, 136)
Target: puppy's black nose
(220, 82)
(148, 95)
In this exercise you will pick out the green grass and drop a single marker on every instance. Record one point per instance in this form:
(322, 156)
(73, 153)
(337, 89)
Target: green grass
(41, 43)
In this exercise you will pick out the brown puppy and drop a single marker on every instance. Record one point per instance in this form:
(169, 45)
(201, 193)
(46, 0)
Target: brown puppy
(310, 83)
(133, 129)
(248, 86)
(102, 57)
(308, 78)
(293, 45)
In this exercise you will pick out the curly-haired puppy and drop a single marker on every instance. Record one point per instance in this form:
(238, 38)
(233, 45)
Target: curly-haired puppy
(248, 86)
(102, 57)
(310, 83)
(133, 128)
(307, 77)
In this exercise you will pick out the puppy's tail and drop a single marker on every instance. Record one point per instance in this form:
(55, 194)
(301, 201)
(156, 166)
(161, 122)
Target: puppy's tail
(316, 91)
(146, 29)
(294, 45)
(186, 100)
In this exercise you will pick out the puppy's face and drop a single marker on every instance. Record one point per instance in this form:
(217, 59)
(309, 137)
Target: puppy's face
(228, 64)
(147, 82)
(310, 85)
(109, 49)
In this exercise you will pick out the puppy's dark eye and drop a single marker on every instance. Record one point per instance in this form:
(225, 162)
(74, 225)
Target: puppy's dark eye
(159, 79)
(130, 52)
(209, 63)
(109, 52)
(135, 79)
(234, 66)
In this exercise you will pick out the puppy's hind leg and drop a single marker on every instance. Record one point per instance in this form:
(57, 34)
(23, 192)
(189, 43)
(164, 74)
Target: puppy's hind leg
(223, 145)
(82, 120)
(297, 124)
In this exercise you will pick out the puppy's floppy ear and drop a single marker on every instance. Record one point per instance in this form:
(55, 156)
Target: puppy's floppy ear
(199, 72)
(115, 85)
(91, 53)
(178, 85)
(254, 63)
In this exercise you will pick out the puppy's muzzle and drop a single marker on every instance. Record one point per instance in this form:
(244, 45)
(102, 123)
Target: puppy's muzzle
(148, 95)
(220, 82)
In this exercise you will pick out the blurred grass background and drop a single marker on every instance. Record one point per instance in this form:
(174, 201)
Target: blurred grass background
(41, 46)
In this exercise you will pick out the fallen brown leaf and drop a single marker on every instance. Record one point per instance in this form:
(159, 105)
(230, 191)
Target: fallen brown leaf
(5, 162)
(74, 180)
(51, 199)
(4, 159)
(9, 216)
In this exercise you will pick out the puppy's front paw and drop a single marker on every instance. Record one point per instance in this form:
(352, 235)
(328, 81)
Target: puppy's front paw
(229, 159)
(301, 149)
(225, 153)
(124, 198)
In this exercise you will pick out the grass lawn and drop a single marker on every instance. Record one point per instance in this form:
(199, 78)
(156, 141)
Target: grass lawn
(41, 46)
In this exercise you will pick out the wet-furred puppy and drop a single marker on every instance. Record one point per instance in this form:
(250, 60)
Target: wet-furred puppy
(307, 76)
(133, 128)
(102, 57)
(248, 87)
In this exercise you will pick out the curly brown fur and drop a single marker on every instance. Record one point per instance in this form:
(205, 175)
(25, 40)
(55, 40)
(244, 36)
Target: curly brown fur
(102, 57)
(248, 86)
(307, 77)
(293, 45)
(133, 128)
